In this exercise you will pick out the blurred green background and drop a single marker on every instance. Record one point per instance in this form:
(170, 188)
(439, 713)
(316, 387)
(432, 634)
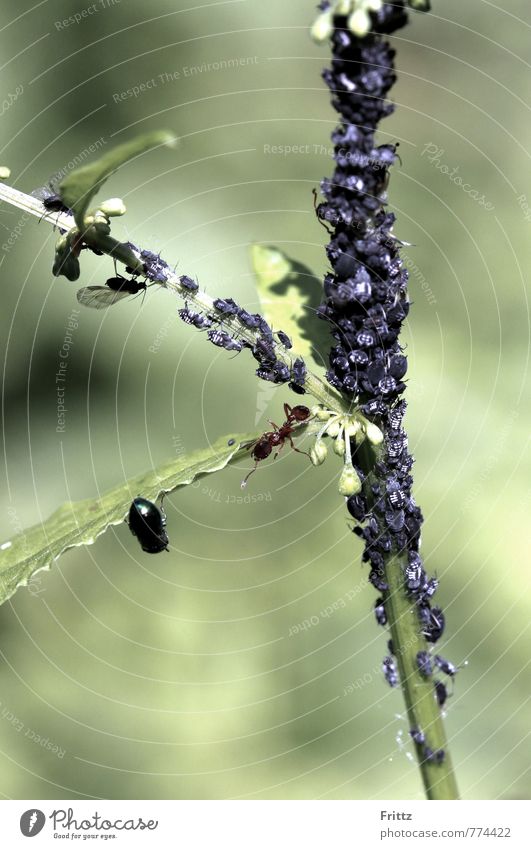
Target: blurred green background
(176, 676)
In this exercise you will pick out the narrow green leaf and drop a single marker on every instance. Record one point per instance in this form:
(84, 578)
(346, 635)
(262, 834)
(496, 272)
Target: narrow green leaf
(289, 295)
(79, 187)
(81, 522)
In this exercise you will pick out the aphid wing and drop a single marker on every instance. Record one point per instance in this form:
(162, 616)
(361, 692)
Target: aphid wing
(99, 297)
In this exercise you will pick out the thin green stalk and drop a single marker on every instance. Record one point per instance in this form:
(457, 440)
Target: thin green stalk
(402, 618)
(419, 694)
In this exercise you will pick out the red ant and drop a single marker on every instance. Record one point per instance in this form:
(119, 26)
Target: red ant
(276, 438)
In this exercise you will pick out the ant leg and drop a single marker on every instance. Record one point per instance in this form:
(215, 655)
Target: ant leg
(246, 478)
(280, 447)
(287, 411)
(273, 424)
(298, 450)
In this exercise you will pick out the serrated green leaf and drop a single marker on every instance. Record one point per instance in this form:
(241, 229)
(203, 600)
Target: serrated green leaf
(79, 187)
(289, 295)
(81, 522)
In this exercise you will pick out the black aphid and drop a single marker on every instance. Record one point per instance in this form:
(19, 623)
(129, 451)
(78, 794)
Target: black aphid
(250, 321)
(417, 736)
(433, 622)
(50, 199)
(223, 340)
(226, 306)
(264, 351)
(445, 665)
(390, 671)
(189, 284)
(284, 338)
(441, 693)
(379, 612)
(155, 268)
(197, 319)
(424, 663)
(298, 376)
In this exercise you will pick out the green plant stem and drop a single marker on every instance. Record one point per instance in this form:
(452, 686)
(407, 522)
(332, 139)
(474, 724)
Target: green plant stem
(122, 253)
(422, 708)
(402, 617)
(419, 693)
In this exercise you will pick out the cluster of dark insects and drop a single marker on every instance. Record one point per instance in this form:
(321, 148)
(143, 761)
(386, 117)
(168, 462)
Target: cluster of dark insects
(432, 619)
(429, 755)
(220, 326)
(432, 623)
(155, 269)
(426, 665)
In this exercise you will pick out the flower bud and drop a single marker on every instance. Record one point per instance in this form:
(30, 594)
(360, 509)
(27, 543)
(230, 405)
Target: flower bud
(352, 428)
(320, 413)
(113, 207)
(334, 428)
(374, 434)
(343, 7)
(359, 23)
(349, 482)
(5, 172)
(318, 452)
(339, 446)
(101, 222)
(323, 27)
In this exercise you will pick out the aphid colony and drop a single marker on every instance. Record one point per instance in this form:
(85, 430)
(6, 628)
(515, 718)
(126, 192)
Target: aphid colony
(432, 620)
(222, 325)
(226, 315)
(225, 321)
